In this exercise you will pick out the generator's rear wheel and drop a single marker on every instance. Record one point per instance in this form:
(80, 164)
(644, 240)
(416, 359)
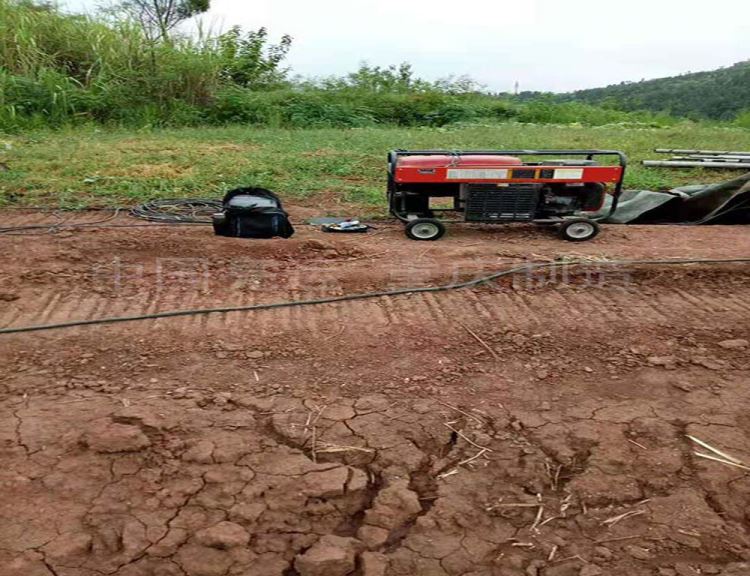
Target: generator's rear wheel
(579, 230)
(425, 229)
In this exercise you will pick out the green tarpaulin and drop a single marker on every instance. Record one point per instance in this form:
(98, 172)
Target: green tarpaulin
(723, 203)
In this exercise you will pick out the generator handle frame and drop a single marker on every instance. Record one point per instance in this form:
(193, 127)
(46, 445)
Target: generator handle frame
(590, 154)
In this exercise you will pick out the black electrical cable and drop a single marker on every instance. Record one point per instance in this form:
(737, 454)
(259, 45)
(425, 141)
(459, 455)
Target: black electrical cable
(181, 211)
(56, 227)
(95, 226)
(184, 211)
(367, 295)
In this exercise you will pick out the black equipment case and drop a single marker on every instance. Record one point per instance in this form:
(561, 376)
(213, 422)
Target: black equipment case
(252, 213)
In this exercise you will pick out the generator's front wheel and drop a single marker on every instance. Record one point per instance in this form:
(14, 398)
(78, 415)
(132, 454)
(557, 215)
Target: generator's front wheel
(425, 229)
(579, 230)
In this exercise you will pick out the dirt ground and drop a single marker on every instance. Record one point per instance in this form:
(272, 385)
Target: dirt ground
(535, 426)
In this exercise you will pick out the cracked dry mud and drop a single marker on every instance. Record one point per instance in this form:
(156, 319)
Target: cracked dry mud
(378, 438)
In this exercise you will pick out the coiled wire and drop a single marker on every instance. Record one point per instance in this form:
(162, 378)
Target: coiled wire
(177, 210)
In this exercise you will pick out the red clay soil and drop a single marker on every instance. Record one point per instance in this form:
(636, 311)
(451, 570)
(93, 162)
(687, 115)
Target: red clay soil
(535, 426)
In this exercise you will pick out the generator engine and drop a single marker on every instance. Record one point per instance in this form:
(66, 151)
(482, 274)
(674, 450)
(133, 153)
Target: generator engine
(568, 199)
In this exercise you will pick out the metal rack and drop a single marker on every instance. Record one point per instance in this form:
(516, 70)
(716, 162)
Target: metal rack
(721, 159)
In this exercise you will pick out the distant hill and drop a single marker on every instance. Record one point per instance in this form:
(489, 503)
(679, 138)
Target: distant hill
(719, 94)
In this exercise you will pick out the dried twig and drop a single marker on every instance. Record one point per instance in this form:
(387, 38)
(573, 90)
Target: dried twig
(369, 256)
(637, 444)
(576, 557)
(552, 553)
(453, 471)
(615, 519)
(565, 504)
(548, 520)
(307, 422)
(478, 339)
(556, 482)
(333, 448)
(320, 413)
(312, 449)
(477, 455)
(74, 400)
(723, 455)
(310, 423)
(727, 462)
(548, 470)
(448, 473)
(619, 538)
(462, 412)
(537, 519)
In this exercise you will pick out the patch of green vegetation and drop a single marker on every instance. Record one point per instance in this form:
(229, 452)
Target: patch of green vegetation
(94, 167)
(60, 70)
(718, 94)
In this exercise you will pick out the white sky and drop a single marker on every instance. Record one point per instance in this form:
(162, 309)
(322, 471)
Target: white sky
(555, 45)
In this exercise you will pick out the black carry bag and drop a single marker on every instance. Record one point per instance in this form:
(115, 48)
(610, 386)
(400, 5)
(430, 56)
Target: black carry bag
(252, 213)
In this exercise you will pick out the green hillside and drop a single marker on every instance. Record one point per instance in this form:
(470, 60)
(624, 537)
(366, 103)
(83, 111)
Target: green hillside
(721, 94)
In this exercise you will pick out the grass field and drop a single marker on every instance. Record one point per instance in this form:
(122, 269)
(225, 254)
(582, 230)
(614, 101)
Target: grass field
(95, 167)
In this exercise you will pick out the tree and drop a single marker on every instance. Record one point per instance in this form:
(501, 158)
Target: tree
(249, 59)
(159, 17)
(393, 79)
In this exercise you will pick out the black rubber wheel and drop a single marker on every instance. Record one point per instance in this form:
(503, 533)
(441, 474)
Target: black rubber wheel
(425, 229)
(579, 230)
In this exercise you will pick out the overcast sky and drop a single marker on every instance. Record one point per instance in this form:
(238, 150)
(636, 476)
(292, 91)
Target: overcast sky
(556, 45)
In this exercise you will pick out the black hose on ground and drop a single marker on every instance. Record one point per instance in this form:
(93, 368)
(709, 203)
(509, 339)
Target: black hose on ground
(57, 226)
(165, 212)
(367, 295)
(184, 211)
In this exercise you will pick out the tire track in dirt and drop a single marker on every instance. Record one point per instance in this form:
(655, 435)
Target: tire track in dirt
(50, 306)
(12, 314)
(479, 306)
(596, 308)
(707, 302)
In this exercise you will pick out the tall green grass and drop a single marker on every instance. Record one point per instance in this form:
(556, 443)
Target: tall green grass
(58, 69)
(95, 166)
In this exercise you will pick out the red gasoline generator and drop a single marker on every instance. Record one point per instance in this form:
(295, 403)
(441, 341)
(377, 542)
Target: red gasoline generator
(492, 186)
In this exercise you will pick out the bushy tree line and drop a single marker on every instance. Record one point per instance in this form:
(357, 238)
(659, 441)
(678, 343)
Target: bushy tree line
(721, 94)
(130, 67)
